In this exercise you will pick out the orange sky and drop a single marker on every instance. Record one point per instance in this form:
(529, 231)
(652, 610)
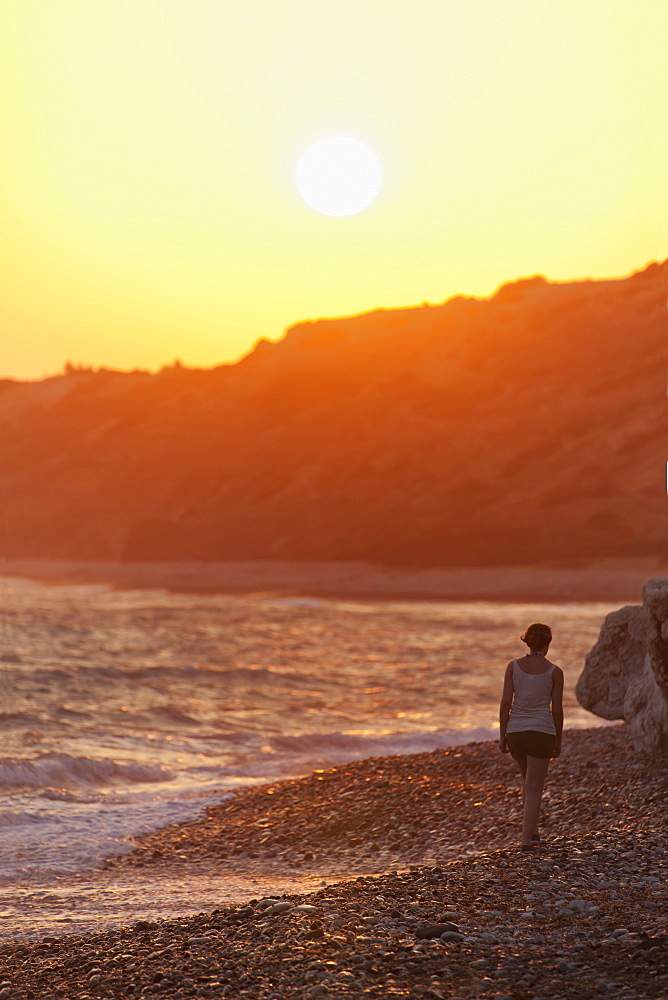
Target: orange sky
(149, 209)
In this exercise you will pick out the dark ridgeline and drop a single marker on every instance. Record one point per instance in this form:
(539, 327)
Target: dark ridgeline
(518, 429)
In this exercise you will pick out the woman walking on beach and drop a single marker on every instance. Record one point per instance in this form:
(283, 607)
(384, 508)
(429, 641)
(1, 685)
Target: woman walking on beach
(531, 721)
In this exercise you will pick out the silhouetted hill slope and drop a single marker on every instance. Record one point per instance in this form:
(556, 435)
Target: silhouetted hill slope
(517, 429)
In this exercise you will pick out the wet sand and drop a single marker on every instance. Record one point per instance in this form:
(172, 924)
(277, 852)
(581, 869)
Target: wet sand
(612, 580)
(422, 889)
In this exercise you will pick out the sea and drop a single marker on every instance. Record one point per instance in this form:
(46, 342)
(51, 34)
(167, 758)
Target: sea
(124, 711)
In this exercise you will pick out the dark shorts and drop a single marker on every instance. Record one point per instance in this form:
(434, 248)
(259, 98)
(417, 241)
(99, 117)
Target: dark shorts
(531, 743)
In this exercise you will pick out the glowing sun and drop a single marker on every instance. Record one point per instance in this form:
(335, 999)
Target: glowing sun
(338, 176)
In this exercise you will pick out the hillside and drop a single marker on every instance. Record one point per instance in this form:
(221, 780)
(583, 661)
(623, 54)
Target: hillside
(524, 428)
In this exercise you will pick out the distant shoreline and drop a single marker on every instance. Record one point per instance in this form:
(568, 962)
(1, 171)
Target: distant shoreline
(610, 581)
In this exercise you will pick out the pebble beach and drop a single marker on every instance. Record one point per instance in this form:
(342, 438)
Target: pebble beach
(418, 888)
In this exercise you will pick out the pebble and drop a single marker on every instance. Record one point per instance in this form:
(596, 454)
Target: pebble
(278, 908)
(373, 934)
(436, 930)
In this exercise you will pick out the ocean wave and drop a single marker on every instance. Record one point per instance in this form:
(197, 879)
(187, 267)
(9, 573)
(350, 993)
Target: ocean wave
(59, 770)
(18, 720)
(219, 675)
(172, 713)
(339, 744)
(22, 818)
(296, 602)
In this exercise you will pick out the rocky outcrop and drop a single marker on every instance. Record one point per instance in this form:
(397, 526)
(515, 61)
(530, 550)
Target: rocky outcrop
(626, 673)
(615, 662)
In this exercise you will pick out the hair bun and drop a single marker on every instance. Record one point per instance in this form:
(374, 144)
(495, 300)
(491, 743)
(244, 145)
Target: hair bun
(537, 635)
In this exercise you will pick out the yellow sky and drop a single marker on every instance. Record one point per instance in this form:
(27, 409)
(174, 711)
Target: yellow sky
(148, 149)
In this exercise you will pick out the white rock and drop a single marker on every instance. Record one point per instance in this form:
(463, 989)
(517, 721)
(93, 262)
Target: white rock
(609, 667)
(626, 673)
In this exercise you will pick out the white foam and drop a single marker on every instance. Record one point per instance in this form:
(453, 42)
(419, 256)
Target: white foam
(78, 836)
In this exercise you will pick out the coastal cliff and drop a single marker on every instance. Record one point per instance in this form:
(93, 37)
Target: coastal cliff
(519, 429)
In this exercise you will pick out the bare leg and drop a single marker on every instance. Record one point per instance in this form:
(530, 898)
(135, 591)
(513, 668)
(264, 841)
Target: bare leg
(522, 764)
(534, 782)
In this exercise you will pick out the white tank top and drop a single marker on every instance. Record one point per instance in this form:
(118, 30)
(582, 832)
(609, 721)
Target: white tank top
(531, 702)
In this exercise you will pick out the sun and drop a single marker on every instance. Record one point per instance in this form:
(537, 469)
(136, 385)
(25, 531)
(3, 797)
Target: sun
(338, 176)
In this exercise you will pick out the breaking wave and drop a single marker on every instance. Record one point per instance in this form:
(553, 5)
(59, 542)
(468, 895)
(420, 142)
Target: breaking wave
(57, 770)
(349, 745)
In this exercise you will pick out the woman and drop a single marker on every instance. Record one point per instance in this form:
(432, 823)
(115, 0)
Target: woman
(531, 721)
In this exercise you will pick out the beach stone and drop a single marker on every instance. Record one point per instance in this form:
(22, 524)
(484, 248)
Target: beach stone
(625, 675)
(278, 908)
(452, 936)
(435, 930)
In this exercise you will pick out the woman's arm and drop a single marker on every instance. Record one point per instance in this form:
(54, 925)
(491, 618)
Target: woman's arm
(558, 704)
(504, 707)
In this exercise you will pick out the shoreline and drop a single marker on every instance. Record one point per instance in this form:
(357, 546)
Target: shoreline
(607, 581)
(413, 809)
(428, 895)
